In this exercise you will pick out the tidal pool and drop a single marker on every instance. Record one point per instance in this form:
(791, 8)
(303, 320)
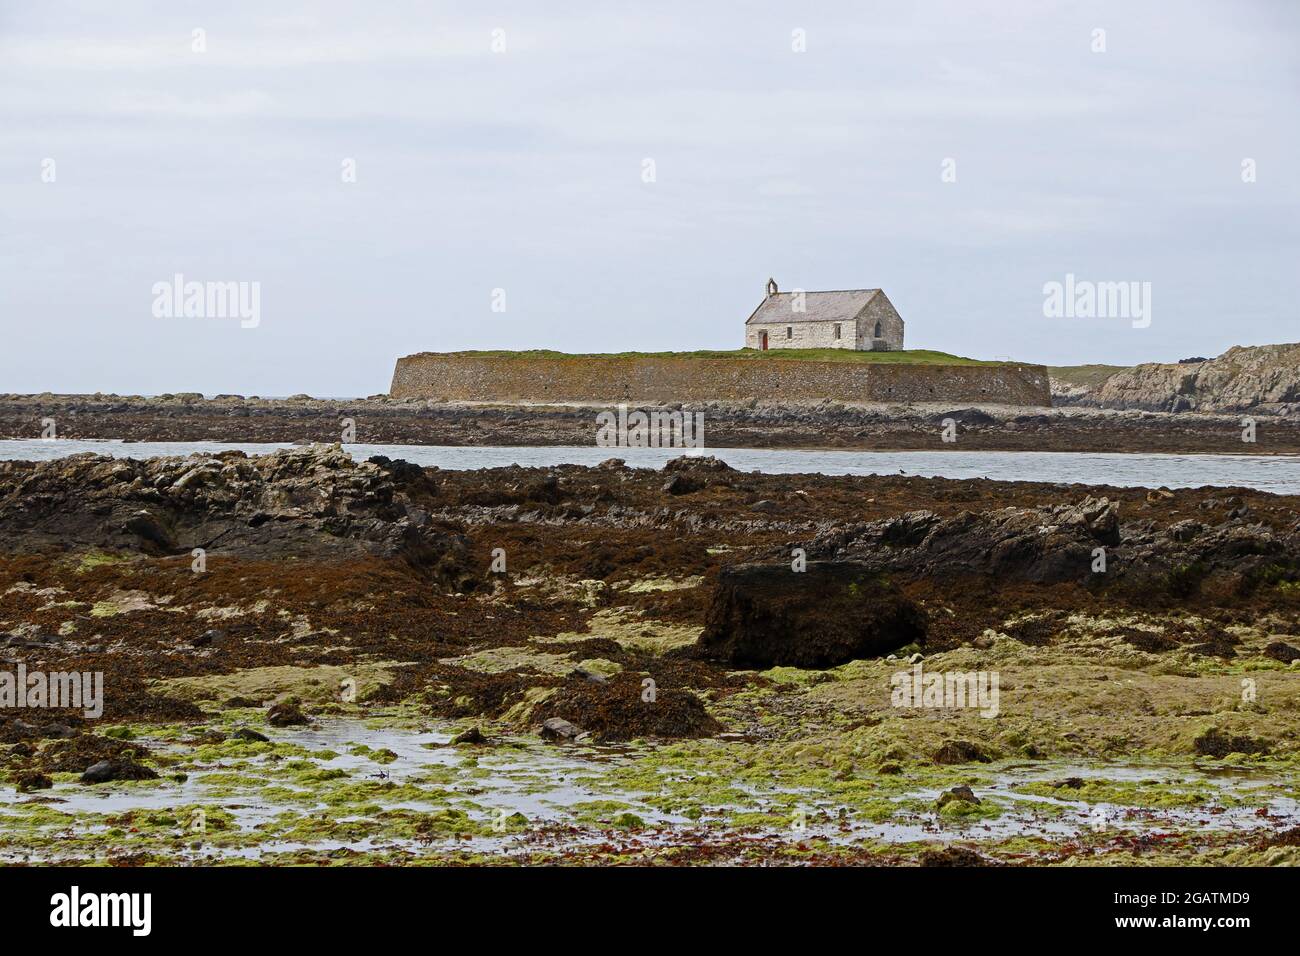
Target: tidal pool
(358, 787)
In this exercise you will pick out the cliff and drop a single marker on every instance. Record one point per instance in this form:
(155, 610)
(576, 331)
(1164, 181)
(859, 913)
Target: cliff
(1261, 379)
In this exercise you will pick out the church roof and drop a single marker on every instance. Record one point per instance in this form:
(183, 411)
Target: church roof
(839, 306)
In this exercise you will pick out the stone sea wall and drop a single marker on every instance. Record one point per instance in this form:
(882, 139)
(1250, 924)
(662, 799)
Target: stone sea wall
(606, 379)
(500, 378)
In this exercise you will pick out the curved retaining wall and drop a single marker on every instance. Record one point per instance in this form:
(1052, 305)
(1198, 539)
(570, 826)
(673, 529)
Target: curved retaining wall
(469, 378)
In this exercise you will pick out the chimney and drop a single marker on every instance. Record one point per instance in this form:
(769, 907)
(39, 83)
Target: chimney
(771, 286)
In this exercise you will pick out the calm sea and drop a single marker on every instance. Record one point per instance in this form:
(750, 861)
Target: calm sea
(1279, 474)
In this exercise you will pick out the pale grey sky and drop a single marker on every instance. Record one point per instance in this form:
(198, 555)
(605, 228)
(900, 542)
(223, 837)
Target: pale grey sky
(522, 170)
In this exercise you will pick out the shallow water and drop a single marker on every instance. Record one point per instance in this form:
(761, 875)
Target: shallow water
(523, 776)
(1276, 473)
(547, 783)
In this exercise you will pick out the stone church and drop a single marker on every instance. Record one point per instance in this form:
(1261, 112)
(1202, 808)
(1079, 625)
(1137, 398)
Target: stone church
(861, 319)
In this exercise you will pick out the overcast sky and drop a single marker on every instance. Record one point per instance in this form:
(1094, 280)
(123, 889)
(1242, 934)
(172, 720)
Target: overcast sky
(524, 170)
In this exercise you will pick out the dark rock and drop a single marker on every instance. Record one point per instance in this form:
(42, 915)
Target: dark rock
(1219, 743)
(30, 780)
(680, 484)
(122, 768)
(545, 490)
(953, 856)
(1281, 651)
(286, 713)
(965, 416)
(962, 793)
(1149, 641)
(908, 530)
(210, 637)
(556, 728)
(769, 615)
(1215, 647)
(234, 702)
(151, 529)
(472, 736)
(1035, 631)
(960, 751)
(402, 471)
(314, 502)
(697, 463)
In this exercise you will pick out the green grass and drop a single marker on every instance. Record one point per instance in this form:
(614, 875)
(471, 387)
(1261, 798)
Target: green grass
(1089, 375)
(905, 357)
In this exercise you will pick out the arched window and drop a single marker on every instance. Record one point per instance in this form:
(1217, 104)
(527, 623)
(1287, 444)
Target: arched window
(878, 332)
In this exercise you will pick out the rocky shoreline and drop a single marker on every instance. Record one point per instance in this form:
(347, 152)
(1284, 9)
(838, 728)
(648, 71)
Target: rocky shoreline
(1256, 380)
(380, 420)
(709, 652)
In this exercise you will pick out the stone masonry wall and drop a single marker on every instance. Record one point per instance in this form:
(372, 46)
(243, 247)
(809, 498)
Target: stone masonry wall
(879, 310)
(484, 378)
(803, 335)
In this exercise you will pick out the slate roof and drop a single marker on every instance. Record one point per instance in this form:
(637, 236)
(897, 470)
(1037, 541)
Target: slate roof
(839, 306)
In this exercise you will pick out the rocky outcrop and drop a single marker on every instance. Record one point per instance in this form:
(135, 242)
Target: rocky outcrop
(1261, 379)
(1041, 545)
(1065, 392)
(1064, 543)
(832, 612)
(313, 502)
(747, 423)
(852, 603)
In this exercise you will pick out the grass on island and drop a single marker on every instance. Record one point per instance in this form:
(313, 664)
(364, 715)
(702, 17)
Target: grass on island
(1089, 376)
(905, 357)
